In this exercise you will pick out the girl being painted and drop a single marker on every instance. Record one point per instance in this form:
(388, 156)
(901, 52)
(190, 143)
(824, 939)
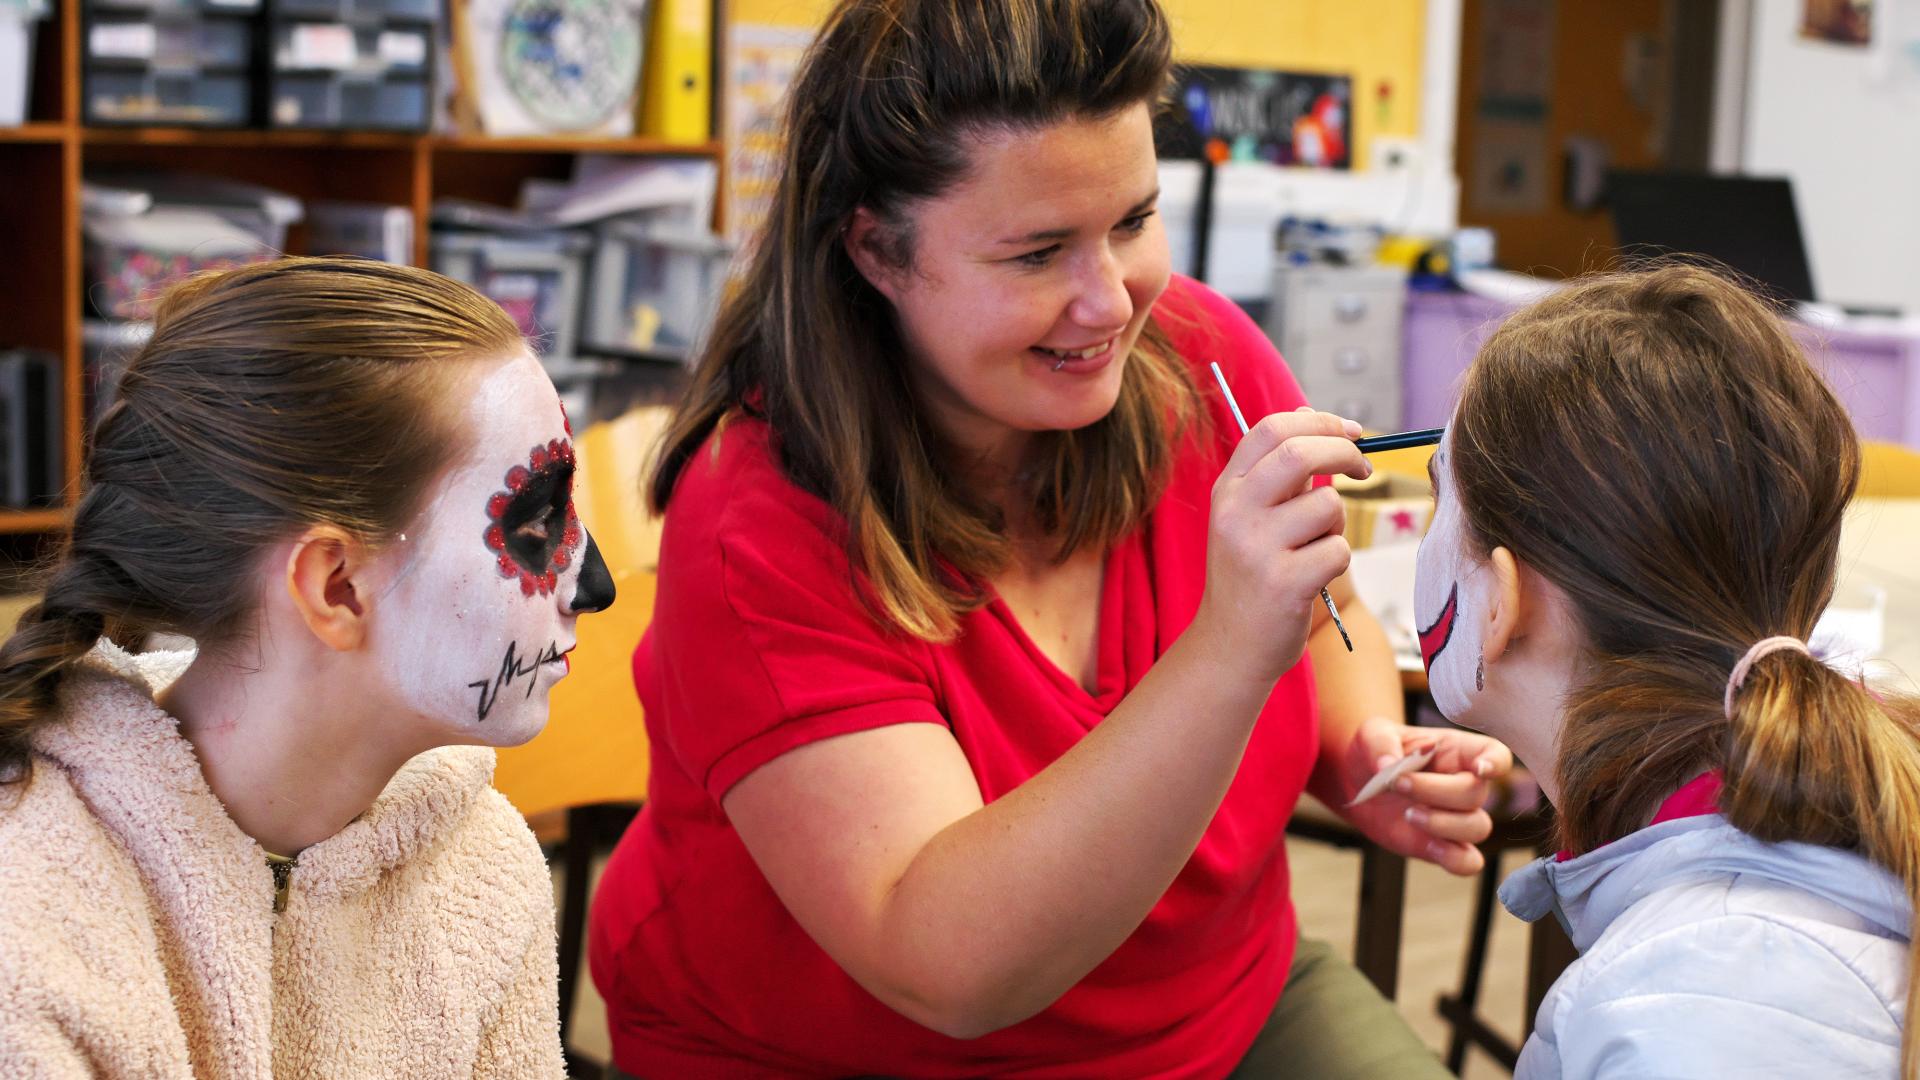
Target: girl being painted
(350, 483)
(1639, 513)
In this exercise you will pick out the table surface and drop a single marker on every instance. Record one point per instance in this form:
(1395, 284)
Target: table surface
(1880, 548)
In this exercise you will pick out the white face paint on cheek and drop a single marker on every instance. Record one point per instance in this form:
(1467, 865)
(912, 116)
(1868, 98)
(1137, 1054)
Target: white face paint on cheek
(470, 635)
(1449, 604)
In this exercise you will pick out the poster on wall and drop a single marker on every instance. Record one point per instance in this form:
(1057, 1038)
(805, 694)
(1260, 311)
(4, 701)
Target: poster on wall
(1512, 97)
(1842, 22)
(761, 62)
(1256, 114)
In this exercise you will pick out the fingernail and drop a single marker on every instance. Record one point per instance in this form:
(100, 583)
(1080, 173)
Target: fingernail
(1437, 851)
(1404, 785)
(1417, 817)
(1483, 768)
(1383, 761)
(1354, 430)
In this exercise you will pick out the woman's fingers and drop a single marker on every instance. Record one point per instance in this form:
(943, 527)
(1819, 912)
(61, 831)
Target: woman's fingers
(1461, 860)
(1285, 471)
(1445, 791)
(1272, 431)
(1468, 828)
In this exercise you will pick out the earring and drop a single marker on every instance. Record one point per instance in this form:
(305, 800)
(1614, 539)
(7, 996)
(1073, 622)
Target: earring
(1480, 673)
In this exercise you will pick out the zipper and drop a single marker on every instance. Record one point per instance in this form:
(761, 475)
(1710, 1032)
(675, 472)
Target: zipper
(282, 867)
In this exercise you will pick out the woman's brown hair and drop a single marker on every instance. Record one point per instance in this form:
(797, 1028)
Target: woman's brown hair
(1657, 446)
(881, 115)
(270, 398)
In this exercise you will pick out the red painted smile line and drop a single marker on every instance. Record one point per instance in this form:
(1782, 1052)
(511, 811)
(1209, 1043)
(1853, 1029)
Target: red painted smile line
(1434, 638)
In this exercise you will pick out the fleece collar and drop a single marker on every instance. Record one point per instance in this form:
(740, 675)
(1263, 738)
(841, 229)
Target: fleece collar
(127, 759)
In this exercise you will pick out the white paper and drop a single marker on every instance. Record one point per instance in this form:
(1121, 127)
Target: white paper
(1384, 779)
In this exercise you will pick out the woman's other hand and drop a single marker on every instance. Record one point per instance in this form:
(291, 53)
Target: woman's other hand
(1437, 814)
(1273, 540)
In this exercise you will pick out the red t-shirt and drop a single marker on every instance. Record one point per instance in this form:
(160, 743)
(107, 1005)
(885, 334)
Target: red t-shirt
(758, 645)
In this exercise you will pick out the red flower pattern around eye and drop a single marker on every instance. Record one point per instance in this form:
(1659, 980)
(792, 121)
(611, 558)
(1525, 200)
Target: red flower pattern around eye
(543, 582)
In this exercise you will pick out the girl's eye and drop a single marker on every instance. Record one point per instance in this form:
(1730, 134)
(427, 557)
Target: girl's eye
(1037, 258)
(1137, 223)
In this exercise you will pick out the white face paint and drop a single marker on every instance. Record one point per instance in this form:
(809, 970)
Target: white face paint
(1452, 593)
(475, 625)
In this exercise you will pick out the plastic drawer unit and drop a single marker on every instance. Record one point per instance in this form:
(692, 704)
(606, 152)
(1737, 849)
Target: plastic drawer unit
(360, 64)
(175, 62)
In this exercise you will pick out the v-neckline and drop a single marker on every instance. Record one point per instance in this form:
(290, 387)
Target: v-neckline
(1108, 678)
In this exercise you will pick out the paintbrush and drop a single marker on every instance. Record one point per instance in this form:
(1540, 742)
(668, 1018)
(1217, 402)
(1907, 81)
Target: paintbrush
(1325, 597)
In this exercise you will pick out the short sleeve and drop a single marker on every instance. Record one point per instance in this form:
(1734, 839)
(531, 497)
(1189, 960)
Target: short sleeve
(762, 643)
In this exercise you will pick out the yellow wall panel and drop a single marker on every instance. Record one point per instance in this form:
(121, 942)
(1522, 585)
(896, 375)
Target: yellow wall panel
(1376, 41)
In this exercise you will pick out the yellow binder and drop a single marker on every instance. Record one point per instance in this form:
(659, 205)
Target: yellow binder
(676, 102)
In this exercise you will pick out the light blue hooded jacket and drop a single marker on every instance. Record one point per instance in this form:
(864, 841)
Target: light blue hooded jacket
(1708, 953)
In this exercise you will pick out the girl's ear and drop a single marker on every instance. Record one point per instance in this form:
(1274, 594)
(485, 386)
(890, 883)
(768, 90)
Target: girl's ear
(1506, 615)
(322, 580)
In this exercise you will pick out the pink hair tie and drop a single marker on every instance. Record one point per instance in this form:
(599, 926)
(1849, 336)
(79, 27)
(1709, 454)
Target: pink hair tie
(1760, 649)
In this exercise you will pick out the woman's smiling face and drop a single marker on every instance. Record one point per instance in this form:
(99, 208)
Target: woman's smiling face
(1032, 278)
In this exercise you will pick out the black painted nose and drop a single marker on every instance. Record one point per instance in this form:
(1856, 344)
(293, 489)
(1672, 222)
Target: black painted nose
(595, 589)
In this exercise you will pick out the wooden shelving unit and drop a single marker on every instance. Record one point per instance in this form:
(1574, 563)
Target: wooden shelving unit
(41, 273)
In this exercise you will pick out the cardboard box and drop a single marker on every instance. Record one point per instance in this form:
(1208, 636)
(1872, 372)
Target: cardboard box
(1384, 508)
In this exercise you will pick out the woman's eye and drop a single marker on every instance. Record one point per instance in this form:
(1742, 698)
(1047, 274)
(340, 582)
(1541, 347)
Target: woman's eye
(1137, 223)
(1037, 258)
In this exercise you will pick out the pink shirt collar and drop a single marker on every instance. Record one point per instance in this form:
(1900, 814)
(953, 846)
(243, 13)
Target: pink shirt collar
(1700, 795)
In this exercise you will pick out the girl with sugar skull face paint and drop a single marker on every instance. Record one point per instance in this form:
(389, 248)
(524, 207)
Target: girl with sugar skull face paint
(499, 569)
(350, 484)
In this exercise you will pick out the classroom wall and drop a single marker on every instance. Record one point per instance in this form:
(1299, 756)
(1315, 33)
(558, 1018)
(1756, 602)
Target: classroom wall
(1844, 124)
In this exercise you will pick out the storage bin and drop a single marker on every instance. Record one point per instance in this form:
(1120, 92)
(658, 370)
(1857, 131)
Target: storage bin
(349, 101)
(136, 42)
(427, 11)
(132, 259)
(18, 20)
(191, 99)
(344, 47)
(653, 287)
(369, 230)
(536, 277)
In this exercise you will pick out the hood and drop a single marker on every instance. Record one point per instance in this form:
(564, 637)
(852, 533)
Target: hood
(1589, 892)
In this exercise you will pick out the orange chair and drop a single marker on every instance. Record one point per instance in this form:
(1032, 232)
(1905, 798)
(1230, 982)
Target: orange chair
(591, 762)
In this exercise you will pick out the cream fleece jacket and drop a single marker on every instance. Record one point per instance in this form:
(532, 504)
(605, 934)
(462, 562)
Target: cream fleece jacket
(138, 937)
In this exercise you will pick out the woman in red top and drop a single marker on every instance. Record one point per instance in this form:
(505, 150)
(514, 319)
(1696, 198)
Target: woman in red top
(976, 682)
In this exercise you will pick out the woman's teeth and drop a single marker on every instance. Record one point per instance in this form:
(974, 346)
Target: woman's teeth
(1078, 354)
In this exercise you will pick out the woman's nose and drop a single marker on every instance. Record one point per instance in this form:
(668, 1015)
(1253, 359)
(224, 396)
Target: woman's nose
(1103, 302)
(594, 590)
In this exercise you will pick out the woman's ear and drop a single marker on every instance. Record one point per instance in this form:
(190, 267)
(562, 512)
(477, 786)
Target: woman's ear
(871, 244)
(326, 580)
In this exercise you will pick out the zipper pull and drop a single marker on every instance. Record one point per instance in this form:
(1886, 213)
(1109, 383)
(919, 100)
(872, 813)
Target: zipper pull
(282, 867)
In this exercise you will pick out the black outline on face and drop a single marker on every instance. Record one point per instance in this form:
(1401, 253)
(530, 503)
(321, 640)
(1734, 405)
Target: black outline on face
(521, 529)
(1442, 627)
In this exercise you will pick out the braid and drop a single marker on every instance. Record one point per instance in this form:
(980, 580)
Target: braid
(51, 636)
